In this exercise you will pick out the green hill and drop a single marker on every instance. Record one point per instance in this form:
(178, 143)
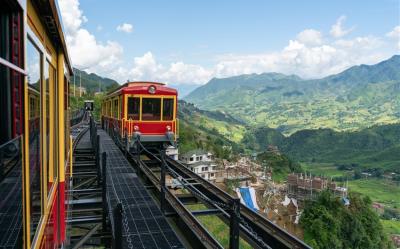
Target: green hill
(209, 130)
(92, 82)
(375, 147)
(359, 97)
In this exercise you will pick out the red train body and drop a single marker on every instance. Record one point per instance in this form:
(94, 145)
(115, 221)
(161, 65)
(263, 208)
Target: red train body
(144, 111)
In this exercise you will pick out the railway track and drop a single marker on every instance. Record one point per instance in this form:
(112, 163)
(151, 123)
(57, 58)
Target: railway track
(254, 228)
(273, 235)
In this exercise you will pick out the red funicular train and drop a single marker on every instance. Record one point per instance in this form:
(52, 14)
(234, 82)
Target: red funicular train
(142, 111)
(35, 142)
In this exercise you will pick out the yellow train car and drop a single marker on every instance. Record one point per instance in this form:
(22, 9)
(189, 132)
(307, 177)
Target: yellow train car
(34, 124)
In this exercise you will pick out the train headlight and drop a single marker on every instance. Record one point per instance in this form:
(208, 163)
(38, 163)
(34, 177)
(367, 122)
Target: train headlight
(136, 128)
(168, 128)
(152, 89)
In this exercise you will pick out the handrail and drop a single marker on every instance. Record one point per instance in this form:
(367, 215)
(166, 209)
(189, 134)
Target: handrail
(78, 116)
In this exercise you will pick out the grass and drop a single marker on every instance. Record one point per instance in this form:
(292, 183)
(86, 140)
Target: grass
(218, 229)
(391, 226)
(279, 177)
(325, 169)
(379, 190)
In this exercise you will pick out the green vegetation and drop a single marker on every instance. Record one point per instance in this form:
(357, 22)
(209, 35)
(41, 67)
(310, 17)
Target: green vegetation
(77, 103)
(217, 227)
(199, 130)
(95, 87)
(370, 148)
(327, 223)
(378, 190)
(391, 226)
(356, 98)
(231, 185)
(327, 170)
(280, 164)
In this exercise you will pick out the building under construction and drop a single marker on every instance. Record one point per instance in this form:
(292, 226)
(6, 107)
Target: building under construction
(305, 187)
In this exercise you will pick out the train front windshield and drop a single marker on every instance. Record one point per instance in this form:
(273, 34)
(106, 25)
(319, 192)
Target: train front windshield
(151, 109)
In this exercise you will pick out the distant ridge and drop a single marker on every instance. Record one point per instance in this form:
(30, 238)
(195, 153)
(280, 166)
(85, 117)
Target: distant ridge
(356, 98)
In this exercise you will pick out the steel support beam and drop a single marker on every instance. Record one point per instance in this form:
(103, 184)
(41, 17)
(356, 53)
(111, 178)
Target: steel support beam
(85, 238)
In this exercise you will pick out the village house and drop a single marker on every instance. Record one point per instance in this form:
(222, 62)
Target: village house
(201, 163)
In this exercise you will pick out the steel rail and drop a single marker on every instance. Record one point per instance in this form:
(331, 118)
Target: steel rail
(245, 233)
(183, 213)
(272, 234)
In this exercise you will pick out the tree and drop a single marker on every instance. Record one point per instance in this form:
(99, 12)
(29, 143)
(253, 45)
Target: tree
(327, 223)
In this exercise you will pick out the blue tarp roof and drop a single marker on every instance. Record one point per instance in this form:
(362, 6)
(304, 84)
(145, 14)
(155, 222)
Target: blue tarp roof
(246, 196)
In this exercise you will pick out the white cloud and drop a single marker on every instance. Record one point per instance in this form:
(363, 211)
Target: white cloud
(305, 61)
(72, 16)
(367, 42)
(308, 60)
(146, 68)
(337, 29)
(186, 73)
(395, 34)
(310, 36)
(85, 51)
(125, 27)
(309, 55)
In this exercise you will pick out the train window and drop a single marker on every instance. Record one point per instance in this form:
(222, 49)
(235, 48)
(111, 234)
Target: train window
(151, 109)
(115, 109)
(120, 114)
(34, 62)
(11, 33)
(11, 37)
(168, 109)
(133, 108)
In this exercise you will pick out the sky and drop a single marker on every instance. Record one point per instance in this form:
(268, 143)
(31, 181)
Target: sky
(187, 43)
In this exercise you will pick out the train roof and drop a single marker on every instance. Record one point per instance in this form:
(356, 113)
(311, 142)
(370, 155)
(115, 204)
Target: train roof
(51, 16)
(142, 87)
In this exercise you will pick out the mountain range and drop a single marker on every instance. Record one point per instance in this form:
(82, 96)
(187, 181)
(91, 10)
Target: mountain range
(365, 98)
(359, 97)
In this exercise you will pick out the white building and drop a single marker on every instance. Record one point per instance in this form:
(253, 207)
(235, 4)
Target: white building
(201, 163)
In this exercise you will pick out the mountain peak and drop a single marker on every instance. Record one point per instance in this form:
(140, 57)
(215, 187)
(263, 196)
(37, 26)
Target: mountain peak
(359, 96)
(386, 70)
